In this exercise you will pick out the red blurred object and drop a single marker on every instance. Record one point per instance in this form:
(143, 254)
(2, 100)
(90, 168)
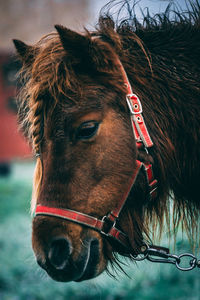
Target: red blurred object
(12, 143)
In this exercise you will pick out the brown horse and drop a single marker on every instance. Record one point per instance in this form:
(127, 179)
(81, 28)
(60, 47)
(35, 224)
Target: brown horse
(73, 109)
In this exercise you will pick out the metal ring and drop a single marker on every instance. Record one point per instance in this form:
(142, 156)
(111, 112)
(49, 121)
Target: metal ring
(144, 253)
(193, 262)
(136, 258)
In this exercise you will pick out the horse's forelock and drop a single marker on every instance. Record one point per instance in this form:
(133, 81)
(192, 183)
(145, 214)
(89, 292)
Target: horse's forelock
(47, 74)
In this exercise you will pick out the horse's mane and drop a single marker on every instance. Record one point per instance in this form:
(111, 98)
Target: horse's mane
(126, 15)
(50, 74)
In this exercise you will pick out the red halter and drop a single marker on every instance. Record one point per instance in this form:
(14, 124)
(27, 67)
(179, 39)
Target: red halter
(107, 225)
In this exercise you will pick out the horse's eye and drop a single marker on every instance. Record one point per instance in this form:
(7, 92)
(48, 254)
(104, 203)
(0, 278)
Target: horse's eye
(87, 130)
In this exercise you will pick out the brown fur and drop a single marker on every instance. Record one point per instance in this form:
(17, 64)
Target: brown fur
(65, 85)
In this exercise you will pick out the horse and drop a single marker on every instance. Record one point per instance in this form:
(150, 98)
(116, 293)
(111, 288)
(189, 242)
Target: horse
(113, 116)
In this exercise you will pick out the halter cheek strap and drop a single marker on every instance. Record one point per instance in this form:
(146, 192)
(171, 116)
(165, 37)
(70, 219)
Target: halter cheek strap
(107, 225)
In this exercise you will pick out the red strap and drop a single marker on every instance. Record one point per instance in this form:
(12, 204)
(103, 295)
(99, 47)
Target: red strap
(71, 215)
(152, 183)
(121, 238)
(87, 220)
(115, 213)
(140, 130)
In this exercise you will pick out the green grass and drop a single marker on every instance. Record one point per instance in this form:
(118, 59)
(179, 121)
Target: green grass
(15, 190)
(21, 278)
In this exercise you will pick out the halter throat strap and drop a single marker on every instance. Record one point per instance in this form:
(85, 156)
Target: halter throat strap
(107, 225)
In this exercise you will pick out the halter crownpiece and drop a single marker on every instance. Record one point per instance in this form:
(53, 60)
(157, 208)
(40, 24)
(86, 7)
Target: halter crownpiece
(107, 225)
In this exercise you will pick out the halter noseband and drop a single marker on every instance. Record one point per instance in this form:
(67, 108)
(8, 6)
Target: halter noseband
(107, 225)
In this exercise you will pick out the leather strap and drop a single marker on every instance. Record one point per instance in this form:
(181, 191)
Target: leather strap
(86, 220)
(114, 214)
(139, 128)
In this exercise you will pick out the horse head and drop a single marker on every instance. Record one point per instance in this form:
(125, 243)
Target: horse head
(80, 128)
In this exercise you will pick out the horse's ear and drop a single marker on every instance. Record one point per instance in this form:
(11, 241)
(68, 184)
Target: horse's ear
(25, 52)
(72, 41)
(89, 52)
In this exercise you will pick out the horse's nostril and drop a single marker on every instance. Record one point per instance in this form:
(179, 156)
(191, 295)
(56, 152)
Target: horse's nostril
(59, 252)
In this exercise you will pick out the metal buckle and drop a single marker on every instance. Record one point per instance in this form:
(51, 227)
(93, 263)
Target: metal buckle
(143, 255)
(152, 191)
(130, 104)
(104, 219)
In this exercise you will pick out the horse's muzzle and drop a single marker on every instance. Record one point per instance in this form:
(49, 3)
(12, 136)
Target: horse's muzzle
(63, 262)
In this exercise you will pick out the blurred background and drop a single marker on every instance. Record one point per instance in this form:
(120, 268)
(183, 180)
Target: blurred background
(20, 277)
